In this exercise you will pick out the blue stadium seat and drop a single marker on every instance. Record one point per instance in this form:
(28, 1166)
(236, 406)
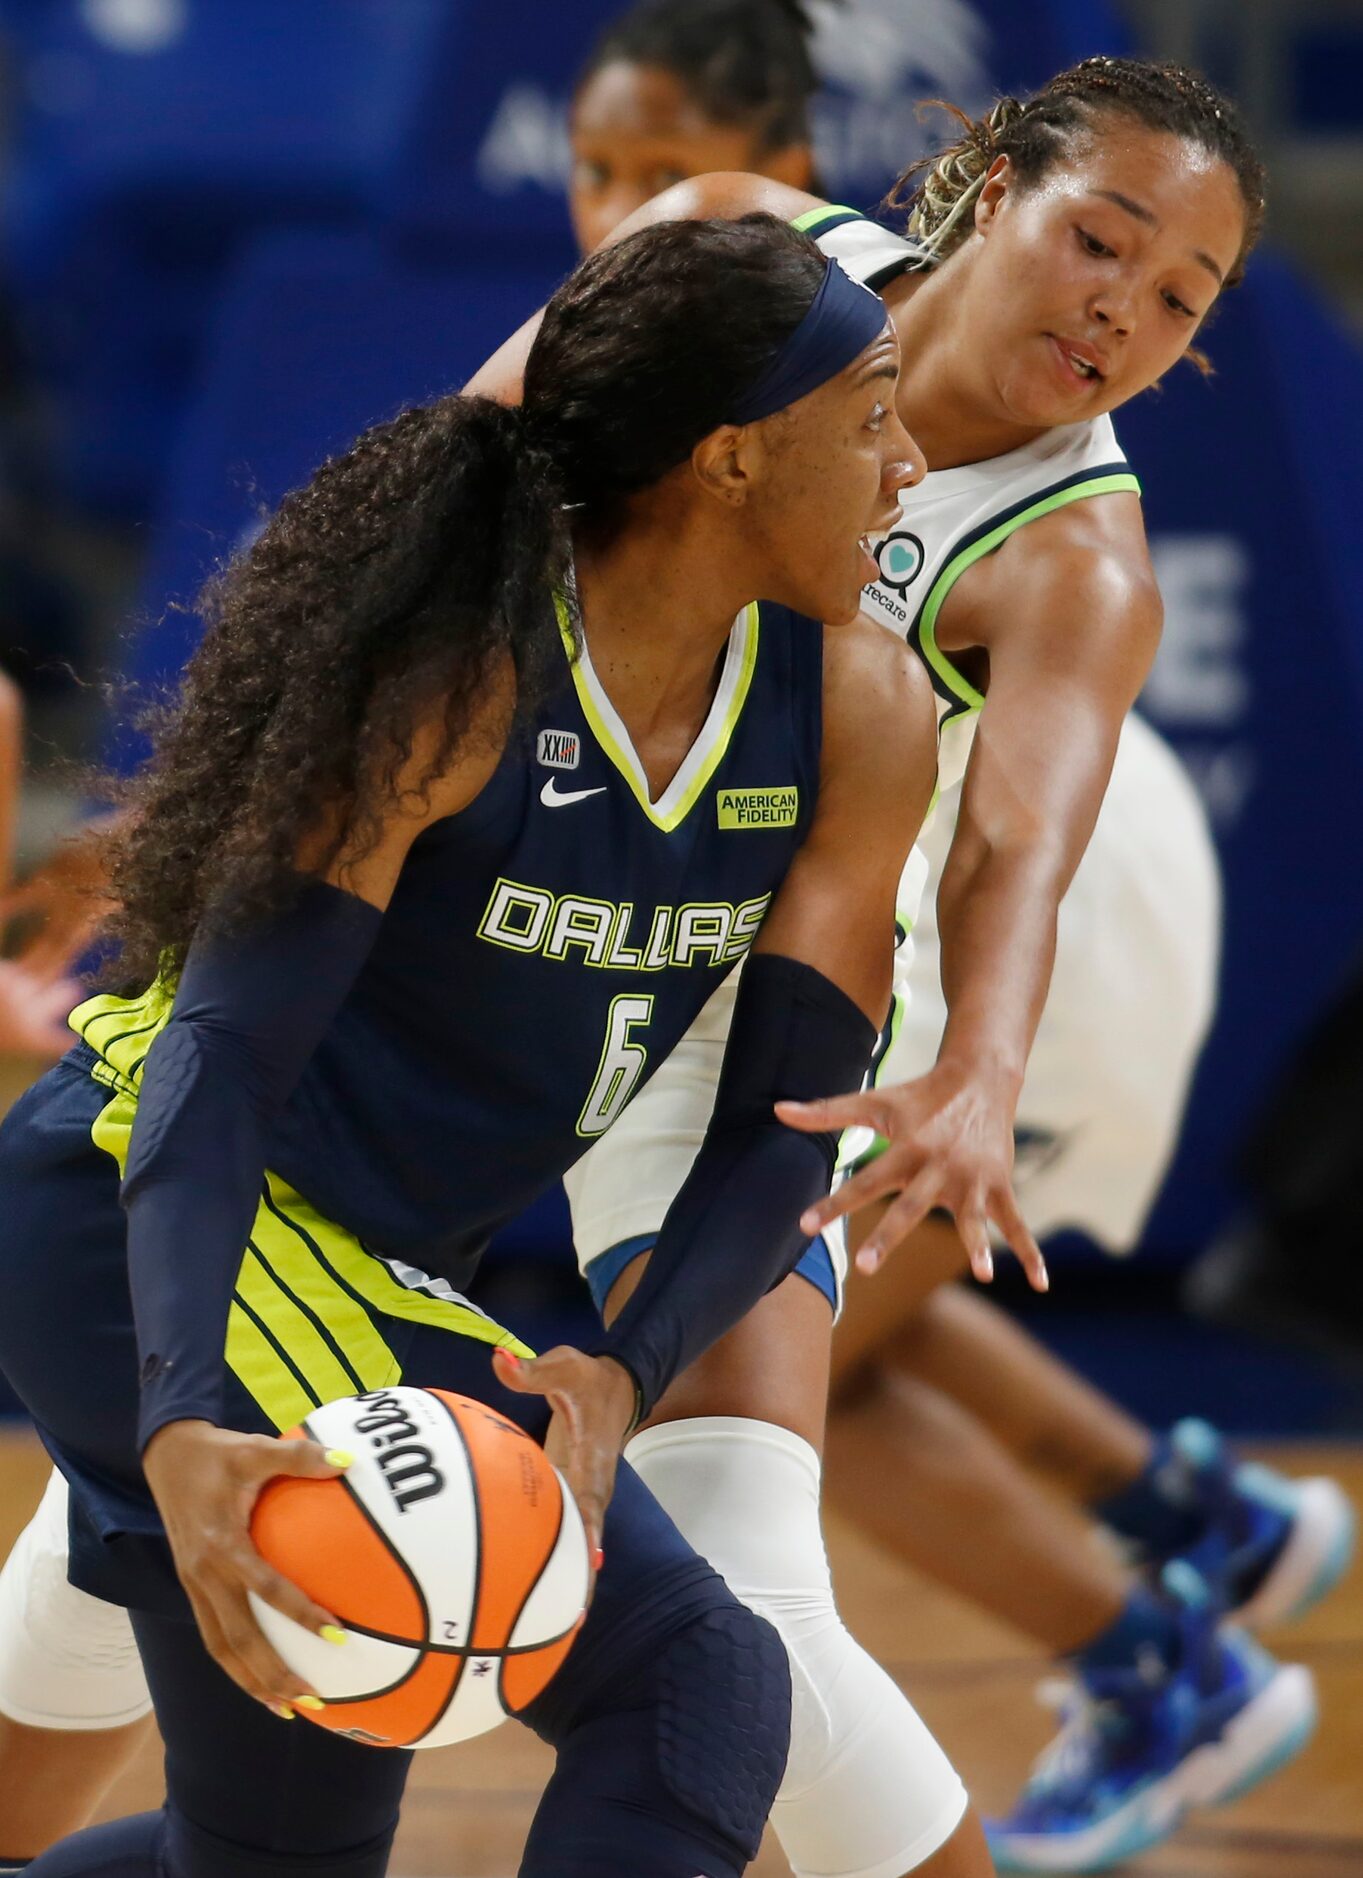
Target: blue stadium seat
(150, 138)
(318, 336)
(485, 157)
(1251, 485)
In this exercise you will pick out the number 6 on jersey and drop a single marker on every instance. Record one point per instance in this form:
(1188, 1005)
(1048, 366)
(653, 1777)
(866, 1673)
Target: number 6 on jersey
(622, 1064)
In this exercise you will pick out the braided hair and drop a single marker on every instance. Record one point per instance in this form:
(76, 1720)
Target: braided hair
(1035, 134)
(743, 62)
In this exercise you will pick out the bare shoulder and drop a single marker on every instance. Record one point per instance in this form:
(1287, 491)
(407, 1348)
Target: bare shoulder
(880, 719)
(722, 195)
(1076, 583)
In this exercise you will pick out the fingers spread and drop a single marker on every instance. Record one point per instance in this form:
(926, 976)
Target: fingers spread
(973, 1229)
(886, 1174)
(1003, 1209)
(900, 1218)
(830, 1112)
(285, 1596)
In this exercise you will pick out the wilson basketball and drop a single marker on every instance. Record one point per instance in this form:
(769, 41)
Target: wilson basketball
(451, 1553)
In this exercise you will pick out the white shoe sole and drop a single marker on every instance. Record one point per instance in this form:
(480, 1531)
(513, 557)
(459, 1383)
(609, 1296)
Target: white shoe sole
(1318, 1552)
(1267, 1733)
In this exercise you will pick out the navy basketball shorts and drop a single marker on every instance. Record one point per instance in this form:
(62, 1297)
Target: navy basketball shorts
(671, 1713)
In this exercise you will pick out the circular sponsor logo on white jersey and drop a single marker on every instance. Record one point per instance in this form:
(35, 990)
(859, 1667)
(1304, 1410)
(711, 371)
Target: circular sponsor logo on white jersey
(900, 559)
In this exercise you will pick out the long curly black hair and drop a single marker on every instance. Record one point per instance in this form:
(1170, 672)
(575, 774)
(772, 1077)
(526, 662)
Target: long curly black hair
(413, 569)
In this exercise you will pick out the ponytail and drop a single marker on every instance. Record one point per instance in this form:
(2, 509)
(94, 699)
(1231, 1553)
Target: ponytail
(952, 182)
(411, 573)
(403, 575)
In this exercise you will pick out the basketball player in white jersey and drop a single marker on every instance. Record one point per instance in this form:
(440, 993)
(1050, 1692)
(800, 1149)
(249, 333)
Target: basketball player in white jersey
(1075, 245)
(864, 1794)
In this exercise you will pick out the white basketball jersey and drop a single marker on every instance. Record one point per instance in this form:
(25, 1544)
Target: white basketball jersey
(956, 516)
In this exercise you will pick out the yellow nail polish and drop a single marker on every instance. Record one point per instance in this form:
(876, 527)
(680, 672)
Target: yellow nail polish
(338, 1457)
(284, 1714)
(312, 1702)
(332, 1633)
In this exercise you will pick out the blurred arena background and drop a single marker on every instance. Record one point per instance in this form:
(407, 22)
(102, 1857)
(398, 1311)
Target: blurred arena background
(233, 232)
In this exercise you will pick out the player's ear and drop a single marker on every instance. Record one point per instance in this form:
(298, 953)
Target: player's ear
(991, 198)
(723, 463)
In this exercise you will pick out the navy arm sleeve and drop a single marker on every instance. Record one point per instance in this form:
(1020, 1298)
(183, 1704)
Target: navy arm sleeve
(733, 1230)
(249, 1011)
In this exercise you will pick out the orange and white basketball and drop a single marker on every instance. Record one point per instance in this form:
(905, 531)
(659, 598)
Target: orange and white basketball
(452, 1554)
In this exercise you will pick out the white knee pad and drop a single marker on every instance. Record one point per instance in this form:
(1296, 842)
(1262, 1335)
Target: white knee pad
(67, 1660)
(867, 1792)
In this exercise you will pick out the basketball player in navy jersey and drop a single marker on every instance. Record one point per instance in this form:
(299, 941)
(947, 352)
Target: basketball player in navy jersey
(489, 769)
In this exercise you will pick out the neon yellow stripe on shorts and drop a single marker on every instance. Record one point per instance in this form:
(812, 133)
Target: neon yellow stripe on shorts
(307, 1324)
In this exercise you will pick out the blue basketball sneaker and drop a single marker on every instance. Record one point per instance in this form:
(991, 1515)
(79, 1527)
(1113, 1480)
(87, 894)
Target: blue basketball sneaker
(1269, 1547)
(1142, 1745)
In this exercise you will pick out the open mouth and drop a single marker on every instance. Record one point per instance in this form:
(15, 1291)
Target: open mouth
(1077, 362)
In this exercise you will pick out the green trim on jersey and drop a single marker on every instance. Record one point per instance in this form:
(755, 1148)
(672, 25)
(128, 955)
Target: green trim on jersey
(705, 754)
(825, 212)
(1124, 482)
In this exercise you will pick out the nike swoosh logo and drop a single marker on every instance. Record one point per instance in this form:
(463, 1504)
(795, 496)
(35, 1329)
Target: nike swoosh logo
(555, 798)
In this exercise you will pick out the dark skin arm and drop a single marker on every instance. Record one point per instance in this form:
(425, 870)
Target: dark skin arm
(723, 196)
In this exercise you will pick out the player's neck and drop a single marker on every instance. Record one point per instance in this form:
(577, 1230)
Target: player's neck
(941, 398)
(657, 605)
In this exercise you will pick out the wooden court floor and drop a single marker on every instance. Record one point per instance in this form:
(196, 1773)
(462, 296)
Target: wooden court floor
(467, 1807)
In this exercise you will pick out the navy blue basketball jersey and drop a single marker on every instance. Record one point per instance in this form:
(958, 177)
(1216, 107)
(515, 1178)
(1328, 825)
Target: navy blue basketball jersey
(543, 952)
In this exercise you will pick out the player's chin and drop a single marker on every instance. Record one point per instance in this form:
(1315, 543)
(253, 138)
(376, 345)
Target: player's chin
(843, 613)
(840, 601)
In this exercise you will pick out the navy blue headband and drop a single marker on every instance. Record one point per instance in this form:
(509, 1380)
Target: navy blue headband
(843, 318)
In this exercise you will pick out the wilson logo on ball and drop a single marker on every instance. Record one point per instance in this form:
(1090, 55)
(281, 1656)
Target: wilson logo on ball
(408, 1468)
(450, 1554)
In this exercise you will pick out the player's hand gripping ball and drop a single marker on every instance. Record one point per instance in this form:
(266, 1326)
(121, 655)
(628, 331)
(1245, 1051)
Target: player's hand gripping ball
(450, 1551)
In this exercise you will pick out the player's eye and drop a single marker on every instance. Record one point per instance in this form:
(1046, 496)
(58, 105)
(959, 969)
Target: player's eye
(877, 417)
(589, 174)
(1172, 301)
(666, 178)
(1092, 245)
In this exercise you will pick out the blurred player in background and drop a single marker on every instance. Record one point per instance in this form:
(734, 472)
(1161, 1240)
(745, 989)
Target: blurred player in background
(35, 991)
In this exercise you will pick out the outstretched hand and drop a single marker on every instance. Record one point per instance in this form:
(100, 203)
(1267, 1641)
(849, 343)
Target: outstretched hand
(950, 1139)
(593, 1402)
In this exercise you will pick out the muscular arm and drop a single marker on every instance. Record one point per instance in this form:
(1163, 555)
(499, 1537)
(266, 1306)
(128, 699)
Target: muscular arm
(722, 196)
(1069, 615)
(733, 1230)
